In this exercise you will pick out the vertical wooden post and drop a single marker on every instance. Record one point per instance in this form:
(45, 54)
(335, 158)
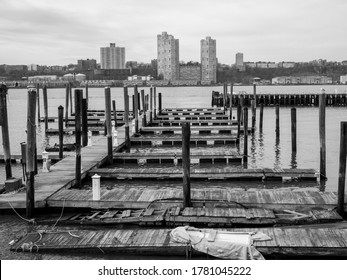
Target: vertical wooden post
(224, 96)
(108, 124)
(242, 103)
(277, 121)
(67, 104)
(238, 122)
(4, 129)
(342, 169)
(61, 132)
(151, 105)
(38, 103)
(78, 100)
(322, 101)
(45, 106)
(31, 146)
(186, 164)
(136, 109)
(84, 122)
(255, 94)
(293, 118)
(231, 102)
(245, 134)
(159, 103)
(114, 113)
(155, 102)
(253, 114)
(126, 119)
(261, 116)
(87, 94)
(144, 121)
(70, 92)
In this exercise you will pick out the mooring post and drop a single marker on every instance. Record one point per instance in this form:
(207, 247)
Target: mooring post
(70, 92)
(261, 116)
(242, 103)
(61, 130)
(277, 121)
(225, 88)
(155, 102)
(245, 134)
(4, 129)
(78, 100)
(45, 106)
(238, 123)
(30, 153)
(108, 125)
(231, 102)
(342, 169)
(114, 113)
(159, 103)
(67, 104)
(255, 94)
(151, 105)
(293, 121)
(253, 115)
(144, 121)
(136, 109)
(38, 103)
(322, 101)
(84, 122)
(126, 119)
(186, 164)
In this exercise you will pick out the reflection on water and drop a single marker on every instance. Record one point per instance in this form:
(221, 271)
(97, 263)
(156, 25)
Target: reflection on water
(293, 162)
(277, 148)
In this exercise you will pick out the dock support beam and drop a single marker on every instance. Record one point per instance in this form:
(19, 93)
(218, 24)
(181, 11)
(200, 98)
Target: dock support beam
(322, 101)
(78, 100)
(108, 125)
(31, 146)
(342, 169)
(126, 119)
(186, 164)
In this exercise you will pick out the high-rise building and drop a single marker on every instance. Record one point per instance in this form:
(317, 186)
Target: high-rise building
(168, 57)
(112, 57)
(208, 60)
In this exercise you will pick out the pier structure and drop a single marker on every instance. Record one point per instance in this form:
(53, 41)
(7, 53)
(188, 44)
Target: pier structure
(142, 187)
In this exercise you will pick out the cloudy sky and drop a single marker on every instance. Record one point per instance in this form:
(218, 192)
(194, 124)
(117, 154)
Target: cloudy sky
(59, 32)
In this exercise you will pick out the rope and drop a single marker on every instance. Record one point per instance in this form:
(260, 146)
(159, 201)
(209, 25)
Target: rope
(61, 214)
(29, 221)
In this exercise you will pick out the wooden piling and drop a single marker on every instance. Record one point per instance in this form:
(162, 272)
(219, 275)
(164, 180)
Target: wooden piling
(155, 102)
(61, 130)
(38, 103)
(245, 134)
(109, 125)
(31, 146)
(67, 92)
(261, 117)
(126, 119)
(84, 122)
(45, 106)
(242, 103)
(159, 103)
(293, 129)
(70, 93)
(322, 100)
(238, 122)
(136, 109)
(342, 169)
(231, 101)
(87, 94)
(78, 100)
(5, 131)
(151, 105)
(253, 114)
(186, 164)
(114, 113)
(277, 121)
(144, 121)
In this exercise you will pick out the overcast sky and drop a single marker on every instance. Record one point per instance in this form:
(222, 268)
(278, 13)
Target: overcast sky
(59, 32)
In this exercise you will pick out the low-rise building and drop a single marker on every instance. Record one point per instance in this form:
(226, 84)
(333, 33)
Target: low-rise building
(343, 79)
(302, 80)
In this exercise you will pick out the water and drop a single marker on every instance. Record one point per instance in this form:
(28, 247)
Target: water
(264, 152)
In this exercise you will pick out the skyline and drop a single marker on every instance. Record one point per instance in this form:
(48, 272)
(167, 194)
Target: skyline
(60, 32)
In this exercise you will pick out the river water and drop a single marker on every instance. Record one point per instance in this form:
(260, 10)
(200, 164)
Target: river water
(264, 151)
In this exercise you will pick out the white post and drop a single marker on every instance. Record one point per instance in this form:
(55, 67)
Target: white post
(45, 162)
(133, 126)
(115, 138)
(90, 143)
(96, 187)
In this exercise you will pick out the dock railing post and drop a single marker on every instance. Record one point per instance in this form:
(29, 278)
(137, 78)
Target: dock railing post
(144, 121)
(4, 129)
(78, 100)
(61, 130)
(30, 153)
(342, 169)
(322, 101)
(67, 104)
(108, 125)
(126, 119)
(136, 109)
(293, 128)
(277, 121)
(45, 106)
(84, 122)
(186, 164)
(245, 135)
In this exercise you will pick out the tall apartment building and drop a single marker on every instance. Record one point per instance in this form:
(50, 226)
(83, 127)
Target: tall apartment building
(112, 57)
(239, 59)
(168, 57)
(208, 60)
